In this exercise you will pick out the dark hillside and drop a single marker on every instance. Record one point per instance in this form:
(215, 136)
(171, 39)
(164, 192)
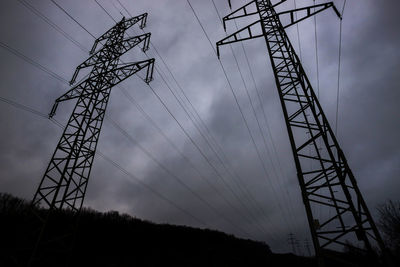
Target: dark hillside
(113, 239)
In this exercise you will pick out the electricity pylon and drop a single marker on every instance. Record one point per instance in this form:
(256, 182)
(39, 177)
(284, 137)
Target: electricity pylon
(325, 178)
(65, 180)
(307, 247)
(293, 242)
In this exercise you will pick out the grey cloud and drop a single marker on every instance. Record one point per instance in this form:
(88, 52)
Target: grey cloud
(368, 126)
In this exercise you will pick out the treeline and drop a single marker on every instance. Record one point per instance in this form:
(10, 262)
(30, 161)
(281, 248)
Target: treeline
(113, 239)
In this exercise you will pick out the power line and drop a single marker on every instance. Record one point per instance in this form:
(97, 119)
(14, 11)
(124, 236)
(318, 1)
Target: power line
(339, 72)
(301, 59)
(54, 121)
(248, 196)
(23, 107)
(26, 108)
(237, 103)
(316, 51)
(207, 141)
(126, 10)
(339, 66)
(186, 111)
(298, 31)
(43, 115)
(77, 22)
(225, 183)
(201, 152)
(105, 11)
(36, 64)
(216, 9)
(53, 25)
(210, 136)
(151, 189)
(278, 181)
(137, 105)
(175, 177)
(317, 72)
(191, 139)
(81, 24)
(118, 10)
(242, 187)
(288, 202)
(32, 62)
(293, 242)
(236, 100)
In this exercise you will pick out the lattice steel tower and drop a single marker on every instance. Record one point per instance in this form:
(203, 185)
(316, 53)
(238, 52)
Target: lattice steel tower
(64, 183)
(324, 175)
(65, 180)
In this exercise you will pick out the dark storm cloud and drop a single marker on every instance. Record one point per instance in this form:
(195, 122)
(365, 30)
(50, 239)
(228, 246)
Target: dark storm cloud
(368, 116)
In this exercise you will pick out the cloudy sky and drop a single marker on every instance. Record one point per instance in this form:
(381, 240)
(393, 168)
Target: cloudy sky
(245, 200)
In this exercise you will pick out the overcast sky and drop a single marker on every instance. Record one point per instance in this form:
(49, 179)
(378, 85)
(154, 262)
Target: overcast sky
(269, 207)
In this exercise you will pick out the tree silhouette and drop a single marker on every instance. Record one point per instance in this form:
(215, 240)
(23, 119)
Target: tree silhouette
(389, 223)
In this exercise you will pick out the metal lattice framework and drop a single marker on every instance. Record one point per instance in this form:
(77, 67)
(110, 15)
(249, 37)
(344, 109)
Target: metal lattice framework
(325, 178)
(66, 178)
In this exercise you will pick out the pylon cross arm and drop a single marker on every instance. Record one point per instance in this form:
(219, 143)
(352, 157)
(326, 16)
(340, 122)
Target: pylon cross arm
(132, 21)
(104, 54)
(248, 9)
(299, 14)
(126, 70)
(254, 30)
(124, 24)
(131, 42)
(251, 31)
(120, 73)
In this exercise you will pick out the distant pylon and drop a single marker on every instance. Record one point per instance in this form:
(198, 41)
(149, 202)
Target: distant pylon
(292, 241)
(307, 247)
(65, 180)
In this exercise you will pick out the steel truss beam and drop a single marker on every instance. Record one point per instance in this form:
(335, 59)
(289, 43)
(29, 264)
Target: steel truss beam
(336, 210)
(124, 25)
(105, 54)
(254, 30)
(66, 177)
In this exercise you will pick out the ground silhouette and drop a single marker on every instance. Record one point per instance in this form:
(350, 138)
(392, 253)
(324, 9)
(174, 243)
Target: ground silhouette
(113, 239)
